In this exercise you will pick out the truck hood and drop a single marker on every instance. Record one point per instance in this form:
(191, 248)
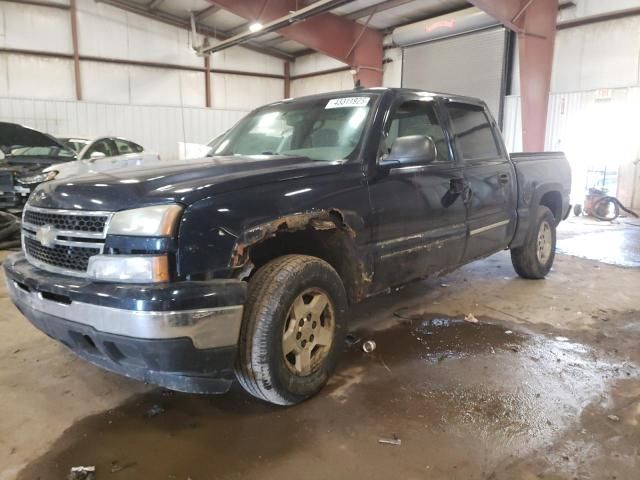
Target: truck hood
(186, 181)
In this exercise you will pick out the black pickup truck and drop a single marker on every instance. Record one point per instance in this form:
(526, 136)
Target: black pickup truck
(243, 264)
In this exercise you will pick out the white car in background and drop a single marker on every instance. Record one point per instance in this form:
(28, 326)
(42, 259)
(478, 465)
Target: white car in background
(103, 154)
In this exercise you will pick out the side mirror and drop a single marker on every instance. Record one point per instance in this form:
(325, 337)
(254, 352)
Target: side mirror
(410, 150)
(97, 156)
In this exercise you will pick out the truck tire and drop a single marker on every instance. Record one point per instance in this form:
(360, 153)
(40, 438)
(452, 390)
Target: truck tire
(534, 259)
(293, 329)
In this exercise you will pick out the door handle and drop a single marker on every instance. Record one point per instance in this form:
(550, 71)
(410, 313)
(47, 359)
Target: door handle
(503, 178)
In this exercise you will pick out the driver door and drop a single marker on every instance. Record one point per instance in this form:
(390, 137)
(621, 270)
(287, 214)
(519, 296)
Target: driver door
(419, 219)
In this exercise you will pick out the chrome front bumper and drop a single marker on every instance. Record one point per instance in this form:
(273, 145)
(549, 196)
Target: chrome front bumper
(207, 328)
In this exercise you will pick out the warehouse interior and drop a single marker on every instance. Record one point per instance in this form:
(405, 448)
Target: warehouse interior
(474, 373)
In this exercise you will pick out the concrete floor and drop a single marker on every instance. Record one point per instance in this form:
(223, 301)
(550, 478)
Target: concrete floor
(545, 385)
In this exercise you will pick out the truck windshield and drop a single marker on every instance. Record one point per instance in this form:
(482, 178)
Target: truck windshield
(327, 129)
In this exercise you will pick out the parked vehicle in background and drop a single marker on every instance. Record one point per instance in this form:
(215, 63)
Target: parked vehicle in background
(103, 154)
(26, 153)
(244, 264)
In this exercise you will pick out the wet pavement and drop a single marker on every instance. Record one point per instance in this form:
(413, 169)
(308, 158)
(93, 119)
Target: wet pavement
(615, 243)
(466, 400)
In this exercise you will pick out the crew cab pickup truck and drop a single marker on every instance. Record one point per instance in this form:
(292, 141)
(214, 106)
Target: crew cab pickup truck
(243, 264)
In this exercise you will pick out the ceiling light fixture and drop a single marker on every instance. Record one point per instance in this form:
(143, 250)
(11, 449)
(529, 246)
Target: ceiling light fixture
(255, 27)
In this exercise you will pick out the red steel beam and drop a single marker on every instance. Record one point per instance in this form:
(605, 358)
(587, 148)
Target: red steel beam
(207, 80)
(535, 22)
(287, 80)
(345, 40)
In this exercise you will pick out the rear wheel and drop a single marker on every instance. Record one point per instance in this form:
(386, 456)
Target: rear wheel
(293, 329)
(534, 259)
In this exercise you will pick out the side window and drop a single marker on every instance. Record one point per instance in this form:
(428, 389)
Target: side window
(125, 146)
(418, 117)
(102, 146)
(135, 147)
(473, 132)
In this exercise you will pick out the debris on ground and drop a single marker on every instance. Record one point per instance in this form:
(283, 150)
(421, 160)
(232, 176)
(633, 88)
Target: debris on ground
(116, 467)
(369, 346)
(444, 285)
(390, 441)
(508, 332)
(613, 418)
(470, 318)
(351, 339)
(82, 473)
(154, 411)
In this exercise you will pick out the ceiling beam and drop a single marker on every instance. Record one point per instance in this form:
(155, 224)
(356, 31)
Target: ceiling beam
(376, 8)
(206, 12)
(185, 24)
(357, 45)
(154, 4)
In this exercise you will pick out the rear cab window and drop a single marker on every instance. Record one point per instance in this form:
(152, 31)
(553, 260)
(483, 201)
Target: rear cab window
(472, 132)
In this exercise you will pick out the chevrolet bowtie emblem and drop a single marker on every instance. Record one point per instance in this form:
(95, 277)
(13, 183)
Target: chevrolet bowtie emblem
(46, 235)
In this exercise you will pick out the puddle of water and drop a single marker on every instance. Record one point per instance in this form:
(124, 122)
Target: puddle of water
(463, 397)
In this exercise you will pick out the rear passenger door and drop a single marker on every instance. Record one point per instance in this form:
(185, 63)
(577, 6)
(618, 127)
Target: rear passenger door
(489, 175)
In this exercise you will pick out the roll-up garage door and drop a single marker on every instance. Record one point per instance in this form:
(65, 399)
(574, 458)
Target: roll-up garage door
(471, 64)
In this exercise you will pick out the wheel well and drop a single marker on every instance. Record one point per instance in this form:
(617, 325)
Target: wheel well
(323, 236)
(553, 201)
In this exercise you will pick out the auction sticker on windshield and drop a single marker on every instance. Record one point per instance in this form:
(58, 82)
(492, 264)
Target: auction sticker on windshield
(347, 102)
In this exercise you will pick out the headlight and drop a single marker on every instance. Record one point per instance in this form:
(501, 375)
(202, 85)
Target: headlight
(156, 221)
(39, 178)
(129, 268)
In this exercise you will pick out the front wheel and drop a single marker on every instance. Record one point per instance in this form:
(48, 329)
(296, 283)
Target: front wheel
(293, 329)
(534, 259)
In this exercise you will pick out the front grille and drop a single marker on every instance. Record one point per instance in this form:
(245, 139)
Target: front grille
(64, 257)
(72, 223)
(62, 241)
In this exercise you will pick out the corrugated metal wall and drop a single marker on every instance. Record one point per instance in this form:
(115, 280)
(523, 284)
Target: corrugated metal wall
(159, 129)
(108, 32)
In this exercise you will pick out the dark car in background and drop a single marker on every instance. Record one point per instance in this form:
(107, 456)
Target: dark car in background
(32, 157)
(26, 153)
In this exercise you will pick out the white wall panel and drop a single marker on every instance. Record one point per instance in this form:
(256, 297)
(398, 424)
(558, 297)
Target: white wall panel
(35, 28)
(239, 92)
(102, 30)
(587, 8)
(4, 75)
(322, 83)
(105, 82)
(157, 42)
(105, 31)
(192, 90)
(238, 58)
(314, 63)
(601, 55)
(37, 77)
(159, 129)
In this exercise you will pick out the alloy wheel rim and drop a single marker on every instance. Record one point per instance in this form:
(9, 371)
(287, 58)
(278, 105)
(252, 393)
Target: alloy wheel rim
(544, 243)
(308, 332)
